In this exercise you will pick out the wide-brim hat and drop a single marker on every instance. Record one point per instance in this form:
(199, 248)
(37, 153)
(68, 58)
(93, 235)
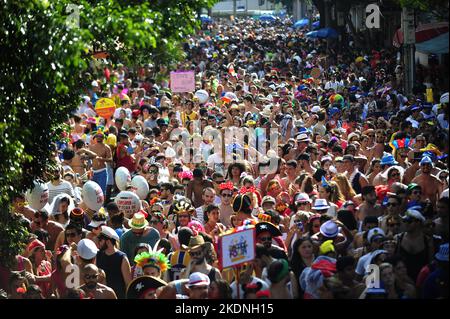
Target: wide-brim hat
(194, 242)
(140, 285)
(138, 221)
(269, 227)
(329, 229)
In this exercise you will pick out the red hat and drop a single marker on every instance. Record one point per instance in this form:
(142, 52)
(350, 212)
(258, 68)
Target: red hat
(35, 244)
(135, 113)
(143, 212)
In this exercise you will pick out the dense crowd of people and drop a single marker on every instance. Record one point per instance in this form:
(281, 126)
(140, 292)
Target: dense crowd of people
(342, 176)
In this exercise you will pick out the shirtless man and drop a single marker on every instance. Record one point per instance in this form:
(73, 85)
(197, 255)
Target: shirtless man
(369, 207)
(196, 186)
(378, 149)
(92, 288)
(291, 174)
(432, 187)
(410, 172)
(104, 155)
(77, 163)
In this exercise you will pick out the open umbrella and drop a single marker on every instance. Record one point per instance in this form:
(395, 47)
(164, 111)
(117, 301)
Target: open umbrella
(267, 17)
(301, 23)
(323, 33)
(206, 19)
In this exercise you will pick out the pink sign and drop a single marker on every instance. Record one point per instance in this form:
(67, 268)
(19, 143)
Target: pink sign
(181, 82)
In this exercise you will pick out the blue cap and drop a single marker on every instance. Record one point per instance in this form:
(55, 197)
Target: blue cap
(426, 160)
(302, 87)
(442, 255)
(414, 205)
(388, 160)
(427, 105)
(415, 107)
(333, 111)
(353, 88)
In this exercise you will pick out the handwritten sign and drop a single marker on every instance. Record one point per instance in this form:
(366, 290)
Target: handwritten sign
(181, 82)
(236, 248)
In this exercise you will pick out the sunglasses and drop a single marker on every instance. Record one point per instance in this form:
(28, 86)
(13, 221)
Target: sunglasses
(391, 204)
(265, 238)
(195, 253)
(153, 172)
(395, 175)
(219, 182)
(227, 195)
(417, 192)
(71, 235)
(154, 221)
(183, 216)
(90, 277)
(371, 135)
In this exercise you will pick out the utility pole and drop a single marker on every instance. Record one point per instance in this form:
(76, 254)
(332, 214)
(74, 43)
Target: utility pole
(234, 8)
(409, 40)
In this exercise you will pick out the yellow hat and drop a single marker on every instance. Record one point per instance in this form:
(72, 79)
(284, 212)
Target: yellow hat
(111, 140)
(326, 247)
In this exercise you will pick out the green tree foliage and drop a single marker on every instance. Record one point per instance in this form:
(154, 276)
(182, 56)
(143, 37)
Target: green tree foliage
(43, 56)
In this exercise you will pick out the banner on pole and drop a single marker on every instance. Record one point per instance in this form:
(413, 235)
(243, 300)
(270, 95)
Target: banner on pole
(181, 82)
(236, 248)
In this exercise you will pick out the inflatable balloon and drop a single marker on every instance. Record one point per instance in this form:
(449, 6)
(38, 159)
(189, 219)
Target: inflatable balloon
(141, 186)
(122, 178)
(92, 195)
(38, 196)
(128, 203)
(202, 96)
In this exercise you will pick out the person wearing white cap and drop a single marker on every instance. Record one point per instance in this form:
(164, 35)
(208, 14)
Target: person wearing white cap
(302, 202)
(321, 206)
(113, 261)
(331, 230)
(413, 245)
(432, 187)
(87, 254)
(198, 286)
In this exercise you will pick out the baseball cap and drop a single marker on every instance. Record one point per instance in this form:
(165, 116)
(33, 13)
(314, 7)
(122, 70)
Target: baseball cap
(268, 199)
(315, 109)
(375, 233)
(87, 249)
(413, 214)
(198, 279)
(109, 232)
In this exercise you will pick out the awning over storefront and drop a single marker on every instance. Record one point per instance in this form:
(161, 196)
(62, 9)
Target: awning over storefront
(437, 45)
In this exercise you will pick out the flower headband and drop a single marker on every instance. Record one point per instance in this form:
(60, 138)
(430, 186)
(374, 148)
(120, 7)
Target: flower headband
(245, 190)
(185, 175)
(228, 185)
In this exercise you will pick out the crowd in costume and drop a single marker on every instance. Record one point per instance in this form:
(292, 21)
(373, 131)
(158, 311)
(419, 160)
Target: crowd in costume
(337, 170)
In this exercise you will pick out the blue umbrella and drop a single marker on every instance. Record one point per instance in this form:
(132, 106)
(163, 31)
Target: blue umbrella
(323, 33)
(301, 23)
(316, 24)
(206, 19)
(267, 17)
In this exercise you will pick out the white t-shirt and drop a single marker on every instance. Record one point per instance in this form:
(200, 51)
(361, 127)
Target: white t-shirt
(199, 211)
